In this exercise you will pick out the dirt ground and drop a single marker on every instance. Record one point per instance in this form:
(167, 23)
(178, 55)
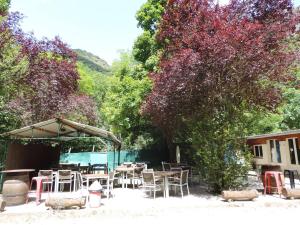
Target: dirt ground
(130, 206)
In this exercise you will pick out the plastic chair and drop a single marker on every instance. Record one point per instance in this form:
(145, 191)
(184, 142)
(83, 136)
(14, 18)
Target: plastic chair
(39, 187)
(109, 186)
(64, 177)
(49, 180)
(278, 181)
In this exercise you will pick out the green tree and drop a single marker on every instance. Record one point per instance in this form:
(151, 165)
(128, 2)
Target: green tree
(4, 5)
(13, 67)
(291, 110)
(95, 85)
(126, 92)
(146, 49)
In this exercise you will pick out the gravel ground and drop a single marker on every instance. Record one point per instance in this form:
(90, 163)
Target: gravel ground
(133, 206)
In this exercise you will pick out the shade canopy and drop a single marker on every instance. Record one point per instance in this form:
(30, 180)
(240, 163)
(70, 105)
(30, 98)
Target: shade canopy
(59, 127)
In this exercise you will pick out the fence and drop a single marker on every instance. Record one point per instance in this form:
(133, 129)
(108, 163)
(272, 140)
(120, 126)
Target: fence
(113, 158)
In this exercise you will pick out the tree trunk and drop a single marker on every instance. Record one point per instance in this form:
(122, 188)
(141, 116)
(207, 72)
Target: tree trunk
(239, 195)
(63, 203)
(291, 193)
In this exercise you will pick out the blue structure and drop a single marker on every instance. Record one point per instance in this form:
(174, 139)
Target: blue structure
(111, 158)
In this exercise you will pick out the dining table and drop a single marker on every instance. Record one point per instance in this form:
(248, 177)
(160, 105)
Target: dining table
(124, 170)
(17, 174)
(166, 175)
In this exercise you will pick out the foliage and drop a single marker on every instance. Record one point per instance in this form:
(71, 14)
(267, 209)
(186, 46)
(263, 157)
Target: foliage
(4, 4)
(210, 61)
(123, 100)
(291, 110)
(93, 62)
(51, 78)
(146, 48)
(217, 64)
(13, 67)
(39, 78)
(92, 83)
(224, 160)
(149, 15)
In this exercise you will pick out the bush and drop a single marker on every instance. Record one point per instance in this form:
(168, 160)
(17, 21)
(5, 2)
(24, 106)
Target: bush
(221, 156)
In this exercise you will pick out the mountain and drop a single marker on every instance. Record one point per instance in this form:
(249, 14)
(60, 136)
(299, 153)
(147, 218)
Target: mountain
(92, 61)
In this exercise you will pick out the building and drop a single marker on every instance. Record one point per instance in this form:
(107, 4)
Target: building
(277, 149)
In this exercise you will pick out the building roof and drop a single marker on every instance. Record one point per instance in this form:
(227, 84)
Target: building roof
(283, 133)
(58, 127)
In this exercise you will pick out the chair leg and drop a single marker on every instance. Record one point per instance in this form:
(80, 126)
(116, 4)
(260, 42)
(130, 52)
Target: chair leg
(187, 187)
(28, 192)
(154, 193)
(181, 191)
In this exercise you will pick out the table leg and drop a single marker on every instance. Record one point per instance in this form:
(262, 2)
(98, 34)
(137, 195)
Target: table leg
(166, 187)
(56, 184)
(123, 177)
(107, 182)
(87, 183)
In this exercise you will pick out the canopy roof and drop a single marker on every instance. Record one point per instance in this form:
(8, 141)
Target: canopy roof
(58, 127)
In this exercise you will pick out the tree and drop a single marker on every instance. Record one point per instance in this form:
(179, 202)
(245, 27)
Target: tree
(92, 83)
(4, 5)
(13, 67)
(291, 110)
(126, 92)
(218, 63)
(146, 48)
(39, 78)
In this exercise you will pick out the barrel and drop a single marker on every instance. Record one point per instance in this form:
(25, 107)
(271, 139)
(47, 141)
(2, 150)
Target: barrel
(15, 192)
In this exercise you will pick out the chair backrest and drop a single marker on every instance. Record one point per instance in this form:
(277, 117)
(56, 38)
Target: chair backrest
(166, 166)
(46, 173)
(176, 169)
(148, 178)
(111, 175)
(99, 167)
(148, 170)
(79, 180)
(184, 176)
(64, 174)
(138, 170)
(127, 164)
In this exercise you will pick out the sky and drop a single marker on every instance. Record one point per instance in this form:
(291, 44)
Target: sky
(102, 27)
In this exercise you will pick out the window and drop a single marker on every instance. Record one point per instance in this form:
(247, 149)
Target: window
(275, 151)
(294, 150)
(258, 151)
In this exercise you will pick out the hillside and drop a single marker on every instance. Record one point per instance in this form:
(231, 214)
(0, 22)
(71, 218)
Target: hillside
(92, 61)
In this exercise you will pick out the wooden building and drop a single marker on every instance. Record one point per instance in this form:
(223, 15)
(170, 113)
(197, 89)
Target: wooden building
(277, 149)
